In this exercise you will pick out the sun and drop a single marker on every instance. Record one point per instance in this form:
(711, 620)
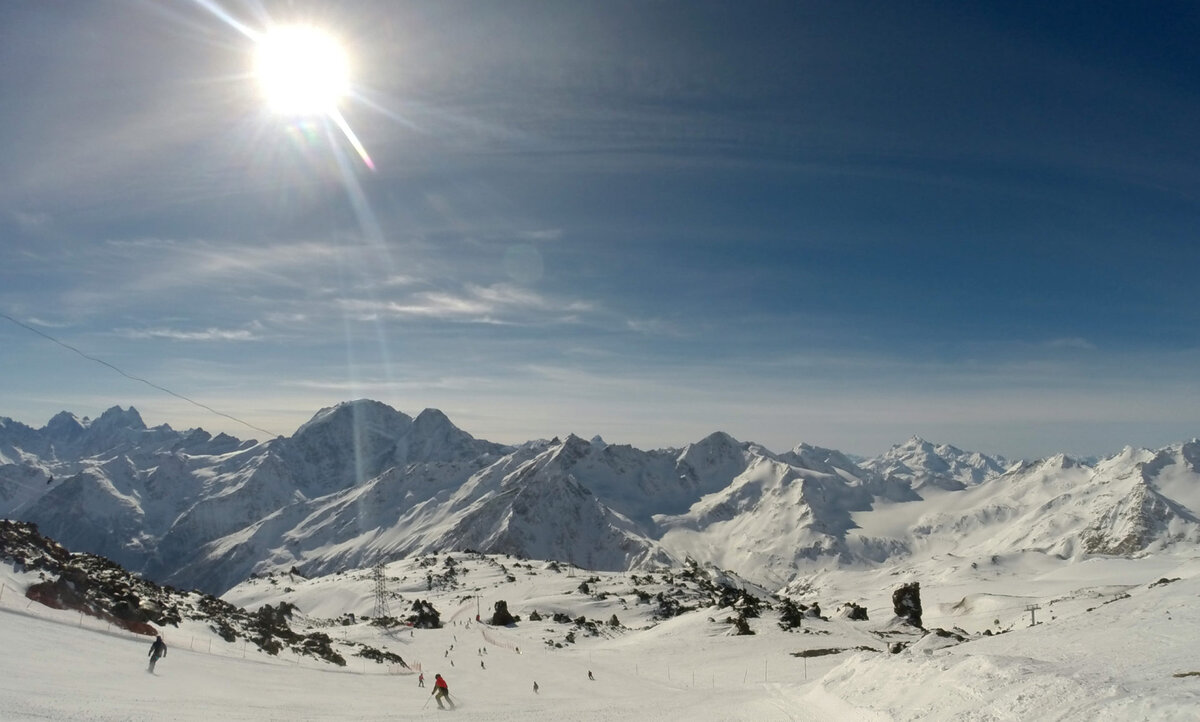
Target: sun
(301, 70)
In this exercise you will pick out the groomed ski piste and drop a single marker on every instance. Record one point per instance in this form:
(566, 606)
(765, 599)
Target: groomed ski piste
(1115, 639)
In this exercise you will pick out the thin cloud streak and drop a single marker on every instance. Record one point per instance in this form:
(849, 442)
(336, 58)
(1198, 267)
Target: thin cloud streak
(496, 304)
(209, 334)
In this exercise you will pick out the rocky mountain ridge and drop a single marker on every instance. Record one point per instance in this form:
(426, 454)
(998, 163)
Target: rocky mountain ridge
(362, 483)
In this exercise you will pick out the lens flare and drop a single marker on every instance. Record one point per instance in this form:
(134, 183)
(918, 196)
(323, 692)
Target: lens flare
(302, 70)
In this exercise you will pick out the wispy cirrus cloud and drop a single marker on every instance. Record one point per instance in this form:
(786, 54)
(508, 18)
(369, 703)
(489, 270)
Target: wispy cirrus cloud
(543, 234)
(208, 334)
(31, 221)
(496, 304)
(655, 327)
(378, 385)
(203, 260)
(36, 321)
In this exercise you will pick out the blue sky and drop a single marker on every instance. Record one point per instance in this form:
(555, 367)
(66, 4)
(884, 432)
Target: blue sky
(837, 223)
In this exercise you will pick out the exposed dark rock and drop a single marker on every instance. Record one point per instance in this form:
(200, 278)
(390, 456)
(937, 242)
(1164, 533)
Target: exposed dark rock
(790, 616)
(741, 626)
(379, 655)
(831, 650)
(855, 612)
(424, 615)
(501, 616)
(956, 635)
(906, 601)
(100, 588)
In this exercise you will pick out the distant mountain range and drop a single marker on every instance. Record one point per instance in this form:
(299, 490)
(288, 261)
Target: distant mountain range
(362, 483)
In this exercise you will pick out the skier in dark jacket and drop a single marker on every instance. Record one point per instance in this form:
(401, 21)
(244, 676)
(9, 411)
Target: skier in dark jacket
(441, 691)
(157, 649)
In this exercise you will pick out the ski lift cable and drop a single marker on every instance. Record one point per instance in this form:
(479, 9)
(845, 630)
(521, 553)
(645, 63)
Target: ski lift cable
(151, 384)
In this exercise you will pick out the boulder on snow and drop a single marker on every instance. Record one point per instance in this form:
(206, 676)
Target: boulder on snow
(424, 616)
(854, 612)
(501, 616)
(906, 600)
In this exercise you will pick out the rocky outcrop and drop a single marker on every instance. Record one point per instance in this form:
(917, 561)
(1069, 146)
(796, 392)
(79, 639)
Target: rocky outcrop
(906, 601)
(501, 617)
(99, 588)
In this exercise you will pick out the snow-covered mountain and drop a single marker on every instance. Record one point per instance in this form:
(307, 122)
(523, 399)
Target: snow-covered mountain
(362, 483)
(924, 464)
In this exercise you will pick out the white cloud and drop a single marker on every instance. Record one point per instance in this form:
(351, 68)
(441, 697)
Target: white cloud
(398, 280)
(545, 234)
(654, 327)
(31, 222)
(498, 304)
(35, 321)
(208, 334)
(359, 387)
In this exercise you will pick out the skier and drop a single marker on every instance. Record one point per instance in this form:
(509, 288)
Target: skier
(441, 690)
(421, 680)
(481, 664)
(157, 649)
(590, 676)
(535, 687)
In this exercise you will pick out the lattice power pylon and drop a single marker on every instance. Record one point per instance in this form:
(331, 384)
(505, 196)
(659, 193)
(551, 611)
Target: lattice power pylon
(381, 594)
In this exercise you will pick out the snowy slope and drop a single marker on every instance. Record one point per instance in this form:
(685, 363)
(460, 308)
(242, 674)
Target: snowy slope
(1113, 642)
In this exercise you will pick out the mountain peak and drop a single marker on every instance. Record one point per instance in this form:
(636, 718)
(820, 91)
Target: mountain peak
(573, 448)
(373, 414)
(915, 442)
(432, 418)
(943, 465)
(434, 436)
(116, 417)
(716, 444)
(64, 422)
(718, 438)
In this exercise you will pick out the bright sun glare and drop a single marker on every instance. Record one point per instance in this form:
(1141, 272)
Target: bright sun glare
(302, 70)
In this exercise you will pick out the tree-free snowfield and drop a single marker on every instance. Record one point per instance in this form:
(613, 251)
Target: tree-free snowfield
(1112, 643)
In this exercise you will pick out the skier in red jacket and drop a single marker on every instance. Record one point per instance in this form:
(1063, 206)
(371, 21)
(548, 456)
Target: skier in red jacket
(441, 691)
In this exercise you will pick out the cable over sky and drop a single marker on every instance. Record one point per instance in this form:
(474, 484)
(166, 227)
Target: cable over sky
(139, 379)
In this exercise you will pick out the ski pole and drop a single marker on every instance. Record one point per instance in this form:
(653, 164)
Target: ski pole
(426, 701)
